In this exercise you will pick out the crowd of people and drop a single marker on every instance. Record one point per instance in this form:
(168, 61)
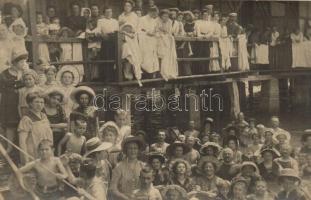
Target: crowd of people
(56, 129)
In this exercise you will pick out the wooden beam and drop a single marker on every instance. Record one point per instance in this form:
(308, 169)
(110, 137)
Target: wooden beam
(33, 27)
(234, 98)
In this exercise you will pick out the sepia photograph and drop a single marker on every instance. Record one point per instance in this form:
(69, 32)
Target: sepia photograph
(155, 100)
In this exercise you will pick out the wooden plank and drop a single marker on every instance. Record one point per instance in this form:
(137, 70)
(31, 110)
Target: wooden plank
(33, 26)
(196, 59)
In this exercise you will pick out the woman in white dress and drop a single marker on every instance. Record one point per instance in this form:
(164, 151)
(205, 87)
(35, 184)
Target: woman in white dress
(166, 47)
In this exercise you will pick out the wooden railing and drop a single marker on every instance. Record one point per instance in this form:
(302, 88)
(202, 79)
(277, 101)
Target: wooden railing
(117, 61)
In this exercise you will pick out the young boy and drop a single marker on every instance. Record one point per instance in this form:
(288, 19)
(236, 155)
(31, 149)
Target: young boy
(160, 146)
(146, 190)
(286, 161)
(49, 171)
(75, 142)
(261, 192)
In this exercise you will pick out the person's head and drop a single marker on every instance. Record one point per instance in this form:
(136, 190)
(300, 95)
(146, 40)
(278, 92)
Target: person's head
(173, 14)
(164, 15)
(289, 179)
(306, 139)
(39, 17)
(241, 116)
(214, 137)
(67, 78)
(156, 163)
(55, 99)
(86, 12)
(75, 161)
(285, 150)
(94, 10)
(35, 101)
(80, 127)
(275, 122)
(189, 17)
(88, 169)
(268, 136)
(16, 11)
(131, 147)
(205, 138)
(128, 6)
(51, 11)
(209, 168)
(190, 140)
(233, 17)
(30, 78)
(178, 151)
(138, 12)
(210, 151)
(191, 124)
(205, 15)
(75, 9)
(180, 167)
(172, 195)
(216, 17)
(153, 11)
(232, 144)
(146, 176)
(180, 17)
(239, 190)
(120, 117)
(248, 169)
(281, 138)
(151, 3)
(50, 73)
(223, 20)
(109, 132)
(19, 60)
(267, 156)
(56, 20)
(256, 138)
(260, 187)
(45, 149)
(84, 98)
(227, 155)
(161, 136)
(196, 14)
(108, 12)
(182, 138)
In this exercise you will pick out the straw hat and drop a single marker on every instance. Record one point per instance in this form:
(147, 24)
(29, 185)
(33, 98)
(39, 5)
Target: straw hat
(274, 152)
(180, 190)
(188, 12)
(133, 139)
(174, 9)
(289, 173)
(109, 124)
(71, 69)
(19, 54)
(32, 73)
(156, 155)
(210, 144)
(251, 164)
(55, 90)
(82, 89)
(170, 149)
(276, 135)
(95, 145)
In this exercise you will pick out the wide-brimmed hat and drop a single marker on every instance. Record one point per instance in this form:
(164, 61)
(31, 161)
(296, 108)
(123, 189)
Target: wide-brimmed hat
(95, 145)
(209, 159)
(156, 155)
(174, 9)
(180, 190)
(19, 54)
(239, 179)
(208, 120)
(274, 152)
(109, 124)
(275, 135)
(32, 73)
(172, 147)
(251, 164)
(79, 90)
(71, 69)
(289, 172)
(127, 27)
(305, 135)
(188, 12)
(214, 145)
(134, 139)
(55, 90)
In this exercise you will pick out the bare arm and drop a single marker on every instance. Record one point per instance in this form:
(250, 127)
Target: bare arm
(28, 167)
(22, 143)
(62, 171)
(61, 144)
(116, 176)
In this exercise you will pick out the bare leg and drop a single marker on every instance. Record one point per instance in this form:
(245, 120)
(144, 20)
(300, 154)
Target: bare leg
(11, 135)
(127, 71)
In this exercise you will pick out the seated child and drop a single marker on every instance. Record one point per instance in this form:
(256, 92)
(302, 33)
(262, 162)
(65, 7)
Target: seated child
(75, 142)
(49, 172)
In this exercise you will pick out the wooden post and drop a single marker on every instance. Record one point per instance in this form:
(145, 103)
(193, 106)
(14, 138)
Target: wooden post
(301, 89)
(194, 108)
(33, 26)
(119, 58)
(126, 100)
(270, 99)
(234, 98)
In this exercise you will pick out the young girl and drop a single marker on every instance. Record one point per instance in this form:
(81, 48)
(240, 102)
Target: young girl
(55, 96)
(30, 79)
(110, 132)
(75, 142)
(10, 82)
(166, 46)
(68, 77)
(210, 150)
(83, 97)
(50, 74)
(42, 31)
(34, 126)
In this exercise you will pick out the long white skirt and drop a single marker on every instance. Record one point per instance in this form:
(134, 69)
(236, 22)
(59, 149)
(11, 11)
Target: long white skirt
(148, 48)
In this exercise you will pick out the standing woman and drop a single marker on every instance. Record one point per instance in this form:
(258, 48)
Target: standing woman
(55, 113)
(10, 82)
(125, 176)
(166, 46)
(83, 96)
(131, 54)
(33, 127)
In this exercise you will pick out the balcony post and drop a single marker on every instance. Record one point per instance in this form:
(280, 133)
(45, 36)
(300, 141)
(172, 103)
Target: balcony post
(34, 35)
(119, 57)
(234, 98)
(270, 99)
(194, 107)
